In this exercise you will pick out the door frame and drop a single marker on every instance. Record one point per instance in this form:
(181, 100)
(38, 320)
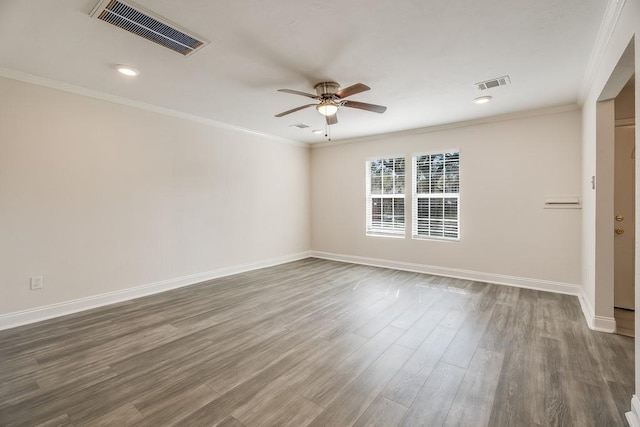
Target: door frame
(604, 184)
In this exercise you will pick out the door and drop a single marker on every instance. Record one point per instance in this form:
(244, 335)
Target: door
(624, 221)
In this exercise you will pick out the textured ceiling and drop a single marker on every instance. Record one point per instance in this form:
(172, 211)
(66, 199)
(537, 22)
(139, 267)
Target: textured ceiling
(421, 58)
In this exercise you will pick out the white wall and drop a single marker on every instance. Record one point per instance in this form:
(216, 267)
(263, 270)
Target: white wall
(507, 169)
(99, 197)
(599, 293)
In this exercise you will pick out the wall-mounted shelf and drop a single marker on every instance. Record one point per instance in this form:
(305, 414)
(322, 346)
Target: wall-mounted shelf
(562, 203)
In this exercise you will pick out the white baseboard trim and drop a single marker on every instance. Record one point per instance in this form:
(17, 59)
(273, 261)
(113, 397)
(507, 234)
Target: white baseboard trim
(633, 416)
(598, 323)
(499, 279)
(11, 320)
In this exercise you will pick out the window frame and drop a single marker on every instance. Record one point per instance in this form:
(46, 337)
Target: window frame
(415, 197)
(369, 196)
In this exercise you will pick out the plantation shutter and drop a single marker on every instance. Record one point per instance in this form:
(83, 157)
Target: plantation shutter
(436, 196)
(385, 181)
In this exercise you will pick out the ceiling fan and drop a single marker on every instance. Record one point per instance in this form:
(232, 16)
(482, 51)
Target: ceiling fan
(331, 98)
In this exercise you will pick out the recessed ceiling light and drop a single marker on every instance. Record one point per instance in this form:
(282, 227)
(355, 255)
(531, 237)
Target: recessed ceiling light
(127, 70)
(482, 100)
(317, 131)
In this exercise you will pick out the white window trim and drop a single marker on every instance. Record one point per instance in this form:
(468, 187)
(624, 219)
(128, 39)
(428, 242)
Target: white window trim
(414, 197)
(369, 196)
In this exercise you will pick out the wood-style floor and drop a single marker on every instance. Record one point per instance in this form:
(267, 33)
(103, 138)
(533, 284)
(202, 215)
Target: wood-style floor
(320, 343)
(625, 322)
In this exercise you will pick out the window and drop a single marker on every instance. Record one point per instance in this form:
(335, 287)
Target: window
(436, 196)
(385, 196)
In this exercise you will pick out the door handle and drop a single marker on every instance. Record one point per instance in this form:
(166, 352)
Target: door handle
(619, 230)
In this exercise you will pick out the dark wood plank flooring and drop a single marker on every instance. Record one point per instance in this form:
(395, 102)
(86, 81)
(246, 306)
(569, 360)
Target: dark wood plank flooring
(320, 343)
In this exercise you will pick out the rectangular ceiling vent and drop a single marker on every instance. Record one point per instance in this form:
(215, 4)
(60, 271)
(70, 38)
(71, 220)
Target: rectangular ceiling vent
(144, 23)
(299, 126)
(488, 84)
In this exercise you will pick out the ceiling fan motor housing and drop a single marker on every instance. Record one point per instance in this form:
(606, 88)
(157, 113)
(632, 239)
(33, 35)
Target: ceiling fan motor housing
(326, 90)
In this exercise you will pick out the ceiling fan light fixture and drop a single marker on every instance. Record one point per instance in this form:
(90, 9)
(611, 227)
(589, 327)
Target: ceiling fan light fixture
(482, 99)
(327, 108)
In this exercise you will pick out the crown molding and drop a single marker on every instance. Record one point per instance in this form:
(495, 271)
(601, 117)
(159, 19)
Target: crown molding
(607, 26)
(438, 128)
(79, 90)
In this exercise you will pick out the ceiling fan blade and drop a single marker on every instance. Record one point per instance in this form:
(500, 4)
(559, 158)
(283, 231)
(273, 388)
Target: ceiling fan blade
(296, 92)
(293, 110)
(332, 119)
(352, 90)
(365, 106)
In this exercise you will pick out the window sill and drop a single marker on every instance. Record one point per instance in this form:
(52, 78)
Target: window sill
(436, 239)
(393, 236)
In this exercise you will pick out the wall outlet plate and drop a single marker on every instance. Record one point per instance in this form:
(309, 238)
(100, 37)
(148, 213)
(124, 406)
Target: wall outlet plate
(36, 282)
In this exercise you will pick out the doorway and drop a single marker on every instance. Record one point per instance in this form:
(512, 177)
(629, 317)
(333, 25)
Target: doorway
(624, 210)
(615, 225)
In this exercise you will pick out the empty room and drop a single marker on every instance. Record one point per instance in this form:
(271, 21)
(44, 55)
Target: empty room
(319, 213)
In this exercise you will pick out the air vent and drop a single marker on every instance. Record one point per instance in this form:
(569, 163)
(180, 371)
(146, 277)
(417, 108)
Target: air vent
(299, 126)
(488, 84)
(137, 20)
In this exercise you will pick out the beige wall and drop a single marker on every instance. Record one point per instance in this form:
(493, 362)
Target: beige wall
(604, 244)
(625, 102)
(98, 197)
(507, 170)
(599, 293)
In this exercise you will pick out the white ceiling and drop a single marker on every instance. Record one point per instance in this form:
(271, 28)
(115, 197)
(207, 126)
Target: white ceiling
(421, 58)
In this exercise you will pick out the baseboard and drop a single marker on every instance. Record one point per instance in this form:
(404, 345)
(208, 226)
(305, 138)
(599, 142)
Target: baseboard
(18, 318)
(499, 279)
(10, 320)
(597, 323)
(633, 416)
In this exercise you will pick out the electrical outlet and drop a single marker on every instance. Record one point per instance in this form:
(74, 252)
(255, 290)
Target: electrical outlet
(36, 282)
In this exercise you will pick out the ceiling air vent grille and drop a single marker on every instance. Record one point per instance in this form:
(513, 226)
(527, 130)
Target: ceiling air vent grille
(488, 84)
(137, 20)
